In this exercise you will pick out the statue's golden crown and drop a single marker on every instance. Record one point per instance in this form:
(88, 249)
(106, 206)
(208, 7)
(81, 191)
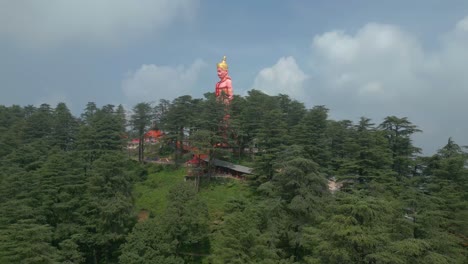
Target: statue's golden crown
(223, 65)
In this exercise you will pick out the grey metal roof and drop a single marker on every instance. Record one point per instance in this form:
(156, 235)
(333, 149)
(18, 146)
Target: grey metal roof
(231, 166)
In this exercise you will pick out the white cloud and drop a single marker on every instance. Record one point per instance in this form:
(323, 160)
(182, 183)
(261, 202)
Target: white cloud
(284, 77)
(371, 88)
(153, 82)
(462, 25)
(377, 53)
(383, 70)
(337, 46)
(42, 24)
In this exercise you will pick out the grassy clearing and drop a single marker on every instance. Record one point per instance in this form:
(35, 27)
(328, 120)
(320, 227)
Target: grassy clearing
(217, 193)
(151, 194)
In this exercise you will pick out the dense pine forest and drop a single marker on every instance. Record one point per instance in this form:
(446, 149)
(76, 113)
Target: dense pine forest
(71, 190)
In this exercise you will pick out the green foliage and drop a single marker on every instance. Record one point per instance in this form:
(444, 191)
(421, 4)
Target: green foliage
(398, 132)
(186, 217)
(217, 194)
(151, 194)
(178, 119)
(140, 122)
(178, 236)
(109, 209)
(101, 132)
(368, 157)
(358, 226)
(68, 199)
(64, 128)
(311, 133)
(240, 239)
(27, 242)
(149, 243)
(70, 195)
(11, 127)
(38, 125)
(272, 137)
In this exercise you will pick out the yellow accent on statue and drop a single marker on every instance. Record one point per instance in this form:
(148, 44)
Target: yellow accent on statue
(223, 65)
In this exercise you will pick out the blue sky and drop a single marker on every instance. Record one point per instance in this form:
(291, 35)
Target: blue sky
(359, 58)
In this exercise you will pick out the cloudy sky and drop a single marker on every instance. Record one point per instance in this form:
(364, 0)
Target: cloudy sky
(359, 58)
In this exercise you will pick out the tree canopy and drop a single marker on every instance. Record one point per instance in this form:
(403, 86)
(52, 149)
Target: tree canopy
(68, 186)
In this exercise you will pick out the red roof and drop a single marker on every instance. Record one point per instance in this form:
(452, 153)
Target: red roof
(154, 134)
(197, 159)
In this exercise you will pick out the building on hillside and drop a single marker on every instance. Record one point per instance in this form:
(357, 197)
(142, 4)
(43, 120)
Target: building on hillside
(133, 144)
(198, 166)
(152, 136)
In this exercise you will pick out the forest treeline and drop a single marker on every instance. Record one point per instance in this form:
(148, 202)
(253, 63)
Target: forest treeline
(66, 186)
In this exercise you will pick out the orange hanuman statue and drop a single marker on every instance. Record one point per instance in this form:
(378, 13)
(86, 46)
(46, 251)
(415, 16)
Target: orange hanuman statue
(224, 86)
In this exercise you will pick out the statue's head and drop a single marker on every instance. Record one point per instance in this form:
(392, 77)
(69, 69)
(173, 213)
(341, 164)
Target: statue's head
(223, 65)
(222, 68)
